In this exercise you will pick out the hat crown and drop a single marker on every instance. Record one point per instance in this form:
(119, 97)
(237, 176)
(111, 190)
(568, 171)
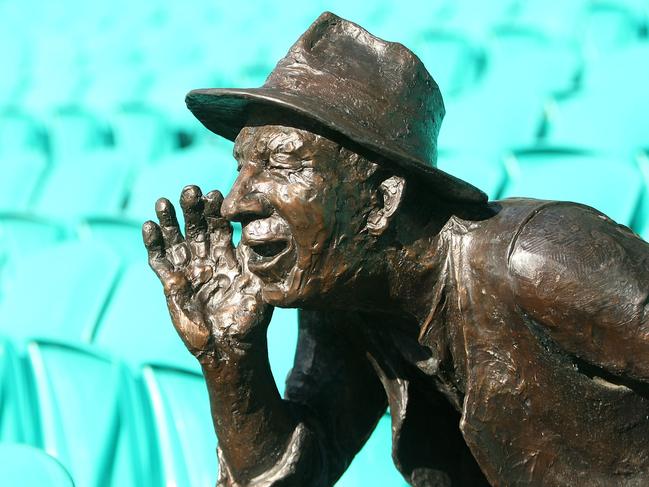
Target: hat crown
(381, 85)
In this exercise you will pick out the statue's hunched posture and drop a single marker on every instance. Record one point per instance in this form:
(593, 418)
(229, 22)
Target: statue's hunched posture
(510, 339)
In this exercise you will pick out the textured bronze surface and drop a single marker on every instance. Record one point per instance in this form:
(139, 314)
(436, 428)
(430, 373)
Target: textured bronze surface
(510, 339)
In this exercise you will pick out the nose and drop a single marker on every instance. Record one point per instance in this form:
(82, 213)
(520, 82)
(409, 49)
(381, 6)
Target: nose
(244, 202)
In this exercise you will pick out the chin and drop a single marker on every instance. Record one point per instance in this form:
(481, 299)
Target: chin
(292, 292)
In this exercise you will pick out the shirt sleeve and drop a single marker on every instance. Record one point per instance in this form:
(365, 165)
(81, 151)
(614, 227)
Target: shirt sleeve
(584, 280)
(336, 396)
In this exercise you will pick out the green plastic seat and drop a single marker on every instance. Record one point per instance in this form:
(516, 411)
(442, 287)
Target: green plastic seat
(373, 464)
(596, 120)
(531, 58)
(183, 430)
(88, 421)
(22, 173)
(454, 60)
(478, 19)
(469, 125)
(612, 25)
(282, 340)
(613, 186)
(59, 292)
(486, 173)
(209, 165)
(122, 235)
(556, 18)
(136, 326)
(22, 234)
(16, 423)
(26, 466)
(95, 184)
(72, 132)
(20, 133)
(141, 134)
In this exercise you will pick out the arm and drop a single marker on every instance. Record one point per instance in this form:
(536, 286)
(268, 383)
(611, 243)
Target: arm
(216, 307)
(585, 281)
(334, 399)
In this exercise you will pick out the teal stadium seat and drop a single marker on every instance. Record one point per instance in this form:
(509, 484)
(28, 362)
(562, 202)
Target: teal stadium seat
(22, 234)
(59, 292)
(611, 112)
(282, 340)
(469, 126)
(136, 326)
(23, 173)
(456, 61)
(141, 134)
(86, 411)
(19, 132)
(209, 165)
(527, 57)
(16, 425)
(610, 25)
(95, 184)
(73, 131)
(486, 173)
(613, 186)
(373, 465)
(184, 436)
(26, 466)
(477, 19)
(56, 74)
(122, 235)
(557, 18)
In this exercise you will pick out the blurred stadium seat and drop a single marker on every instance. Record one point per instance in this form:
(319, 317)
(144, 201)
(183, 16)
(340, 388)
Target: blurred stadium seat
(567, 175)
(26, 466)
(99, 445)
(184, 436)
(372, 465)
(136, 326)
(68, 297)
(209, 165)
(23, 172)
(95, 184)
(486, 173)
(15, 419)
(544, 98)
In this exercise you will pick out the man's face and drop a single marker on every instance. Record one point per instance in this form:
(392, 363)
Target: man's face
(302, 207)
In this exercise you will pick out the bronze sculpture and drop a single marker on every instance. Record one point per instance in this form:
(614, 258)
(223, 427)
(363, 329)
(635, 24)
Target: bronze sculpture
(508, 338)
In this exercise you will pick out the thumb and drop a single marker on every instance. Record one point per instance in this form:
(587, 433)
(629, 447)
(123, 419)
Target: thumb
(190, 326)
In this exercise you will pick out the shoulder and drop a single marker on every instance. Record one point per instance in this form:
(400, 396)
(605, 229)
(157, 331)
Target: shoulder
(564, 240)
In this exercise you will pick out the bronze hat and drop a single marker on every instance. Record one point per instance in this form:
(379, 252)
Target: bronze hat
(376, 93)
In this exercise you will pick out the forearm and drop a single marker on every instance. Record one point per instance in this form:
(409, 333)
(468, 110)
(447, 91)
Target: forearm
(253, 424)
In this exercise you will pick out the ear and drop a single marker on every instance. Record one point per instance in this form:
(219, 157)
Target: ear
(389, 199)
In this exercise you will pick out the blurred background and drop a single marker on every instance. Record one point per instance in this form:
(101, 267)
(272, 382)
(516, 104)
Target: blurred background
(544, 98)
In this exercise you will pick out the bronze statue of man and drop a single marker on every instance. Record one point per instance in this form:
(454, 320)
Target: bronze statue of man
(510, 339)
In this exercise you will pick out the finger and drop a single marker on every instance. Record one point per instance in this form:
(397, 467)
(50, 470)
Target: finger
(168, 222)
(155, 246)
(153, 241)
(191, 201)
(219, 228)
(172, 280)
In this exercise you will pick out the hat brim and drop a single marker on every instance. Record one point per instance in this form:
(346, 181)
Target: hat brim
(225, 112)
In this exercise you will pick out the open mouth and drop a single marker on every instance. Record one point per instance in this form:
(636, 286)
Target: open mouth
(268, 250)
(270, 259)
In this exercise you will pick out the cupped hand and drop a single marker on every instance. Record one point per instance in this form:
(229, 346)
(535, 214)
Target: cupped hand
(214, 301)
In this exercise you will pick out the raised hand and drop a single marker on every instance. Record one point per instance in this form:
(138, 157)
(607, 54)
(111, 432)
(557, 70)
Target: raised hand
(214, 301)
